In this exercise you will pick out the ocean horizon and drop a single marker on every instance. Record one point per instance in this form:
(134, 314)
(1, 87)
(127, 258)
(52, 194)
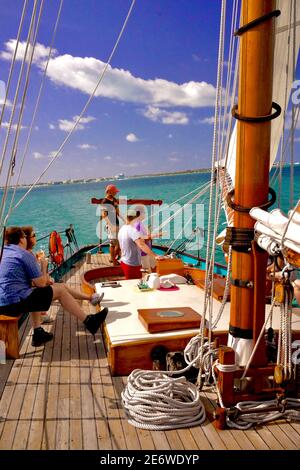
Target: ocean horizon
(55, 207)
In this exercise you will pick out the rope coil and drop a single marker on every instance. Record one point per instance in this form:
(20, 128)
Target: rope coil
(152, 401)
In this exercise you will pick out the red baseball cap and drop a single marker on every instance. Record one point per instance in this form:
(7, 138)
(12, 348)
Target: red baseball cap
(112, 187)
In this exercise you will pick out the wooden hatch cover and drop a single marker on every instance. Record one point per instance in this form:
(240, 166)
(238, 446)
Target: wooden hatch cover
(166, 319)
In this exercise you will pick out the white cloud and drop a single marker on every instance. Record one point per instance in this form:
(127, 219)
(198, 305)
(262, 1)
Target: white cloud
(132, 138)
(108, 157)
(52, 126)
(38, 155)
(174, 159)
(13, 127)
(86, 146)
(40, 52)
(82, 73)
(170, 136)
(208, 120)
(129, 165)
(165, 117)
(53, 154)
(66, 125)
(8, 103)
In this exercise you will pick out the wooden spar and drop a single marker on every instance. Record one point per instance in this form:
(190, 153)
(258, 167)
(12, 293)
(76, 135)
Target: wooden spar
(145, 202)
(252, 167)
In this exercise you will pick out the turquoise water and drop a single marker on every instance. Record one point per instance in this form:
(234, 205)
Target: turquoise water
(56, 207)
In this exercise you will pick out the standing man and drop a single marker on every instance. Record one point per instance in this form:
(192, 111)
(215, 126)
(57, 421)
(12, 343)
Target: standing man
(110, 213)
(132, 243)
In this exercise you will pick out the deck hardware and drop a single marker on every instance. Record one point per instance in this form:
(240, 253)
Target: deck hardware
(241, 283)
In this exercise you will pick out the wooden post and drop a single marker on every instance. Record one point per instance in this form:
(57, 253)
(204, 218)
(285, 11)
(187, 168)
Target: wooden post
(252, 164)
(226, 379)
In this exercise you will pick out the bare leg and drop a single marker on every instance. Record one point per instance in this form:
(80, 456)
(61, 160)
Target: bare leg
(297, 290)
(75, 293)
(35, 319)
(112, 253)
(67, 301)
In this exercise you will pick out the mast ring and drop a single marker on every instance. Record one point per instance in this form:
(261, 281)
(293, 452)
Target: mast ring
(268, 117)
(238, 208)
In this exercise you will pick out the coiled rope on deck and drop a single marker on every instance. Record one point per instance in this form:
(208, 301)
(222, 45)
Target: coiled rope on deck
(154, 401)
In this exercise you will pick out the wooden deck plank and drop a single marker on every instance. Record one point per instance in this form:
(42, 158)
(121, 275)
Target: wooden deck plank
(282, 437)
(187, 439)
(225, 436)
(174, 440)
(37, 423)
(112, 412)
(160, 440)
(144, 435)
(62, 396)
(87, 404)
(200, 437)
(21, 435)
(130, 432)
(269, 438)
(102, 426)
(75, 442)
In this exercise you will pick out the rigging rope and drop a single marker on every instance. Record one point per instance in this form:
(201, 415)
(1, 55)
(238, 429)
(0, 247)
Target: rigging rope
(31, 28)
(58, 152)
(12, 67)
(22, 107)
(34, 112)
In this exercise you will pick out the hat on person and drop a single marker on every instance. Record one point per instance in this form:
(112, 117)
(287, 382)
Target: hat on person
(133, 213)
(112, 187)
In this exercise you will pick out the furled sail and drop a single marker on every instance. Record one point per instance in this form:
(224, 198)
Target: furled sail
(282, 76)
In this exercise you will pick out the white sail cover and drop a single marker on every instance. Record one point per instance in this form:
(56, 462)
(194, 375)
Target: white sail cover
(282, 81)
(271, 227)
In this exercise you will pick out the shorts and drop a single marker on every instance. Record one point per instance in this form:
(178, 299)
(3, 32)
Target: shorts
(131, 272)
(148, 262)
(112, 235)
(39, 300)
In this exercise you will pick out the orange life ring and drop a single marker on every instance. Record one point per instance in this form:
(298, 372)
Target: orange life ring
(56, 248)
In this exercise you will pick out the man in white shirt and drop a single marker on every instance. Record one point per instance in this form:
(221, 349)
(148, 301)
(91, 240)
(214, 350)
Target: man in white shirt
(132, 243)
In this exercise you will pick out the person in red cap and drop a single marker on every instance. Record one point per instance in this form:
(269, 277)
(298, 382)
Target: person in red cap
(111, 215)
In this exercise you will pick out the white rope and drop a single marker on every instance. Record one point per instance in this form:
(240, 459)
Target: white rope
(226, 367)
(4, 197)
(201, 192)
(226, 291)
(11, 69)
(154, 401)
(158, 401)
(34, 113)
(22, 107)
(58, 152)
(209, 266)
(245, 421)
(14, 105)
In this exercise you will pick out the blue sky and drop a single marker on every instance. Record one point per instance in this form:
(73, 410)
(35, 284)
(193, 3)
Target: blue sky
(149, 112)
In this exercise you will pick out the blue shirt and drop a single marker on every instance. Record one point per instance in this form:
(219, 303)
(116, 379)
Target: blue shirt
(17, 269)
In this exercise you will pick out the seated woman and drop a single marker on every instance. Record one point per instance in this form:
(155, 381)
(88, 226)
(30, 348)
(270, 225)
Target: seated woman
(19, 270)
(31, 242)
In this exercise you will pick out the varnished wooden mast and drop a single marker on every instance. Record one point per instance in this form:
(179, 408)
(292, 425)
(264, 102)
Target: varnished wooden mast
(252, 167)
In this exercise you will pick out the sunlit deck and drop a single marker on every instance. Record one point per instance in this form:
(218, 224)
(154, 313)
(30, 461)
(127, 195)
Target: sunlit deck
(62, 396)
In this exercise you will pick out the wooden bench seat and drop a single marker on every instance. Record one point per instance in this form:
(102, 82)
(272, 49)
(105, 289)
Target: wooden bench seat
(9, 333)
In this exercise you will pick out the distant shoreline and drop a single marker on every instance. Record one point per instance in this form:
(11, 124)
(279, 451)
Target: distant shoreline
(111, 178)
